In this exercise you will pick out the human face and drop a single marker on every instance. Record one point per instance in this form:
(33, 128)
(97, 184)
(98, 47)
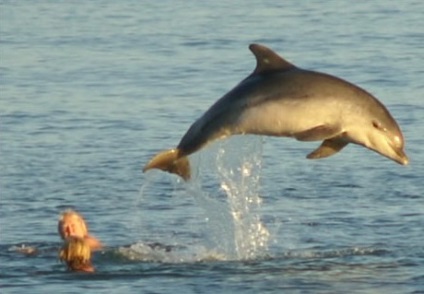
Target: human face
(73, 225)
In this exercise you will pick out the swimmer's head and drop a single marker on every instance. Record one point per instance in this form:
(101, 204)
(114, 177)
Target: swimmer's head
(76, 253)
(72, 224)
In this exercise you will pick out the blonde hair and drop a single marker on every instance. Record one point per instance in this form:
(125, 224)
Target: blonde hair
(69, 213)
(76, 253)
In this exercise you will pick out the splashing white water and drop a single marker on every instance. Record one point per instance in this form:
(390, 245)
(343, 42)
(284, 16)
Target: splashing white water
(225, 186)
(233, 215)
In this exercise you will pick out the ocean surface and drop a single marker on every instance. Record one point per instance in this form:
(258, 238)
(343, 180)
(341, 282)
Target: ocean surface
(91, 90)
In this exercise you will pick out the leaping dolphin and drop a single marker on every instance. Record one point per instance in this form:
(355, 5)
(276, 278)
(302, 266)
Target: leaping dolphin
(281, 99)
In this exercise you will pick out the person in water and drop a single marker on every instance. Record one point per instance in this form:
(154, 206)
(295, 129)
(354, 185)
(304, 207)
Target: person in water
(72, 224)
(78, 243)
(76, 253)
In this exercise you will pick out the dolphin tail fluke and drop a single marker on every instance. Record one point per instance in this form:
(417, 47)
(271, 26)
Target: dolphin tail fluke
(170, 161)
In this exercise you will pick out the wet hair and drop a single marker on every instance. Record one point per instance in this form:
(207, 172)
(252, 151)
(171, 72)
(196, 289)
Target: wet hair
(76, 253)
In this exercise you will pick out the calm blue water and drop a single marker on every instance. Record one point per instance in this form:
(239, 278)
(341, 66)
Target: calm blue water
(90, 90)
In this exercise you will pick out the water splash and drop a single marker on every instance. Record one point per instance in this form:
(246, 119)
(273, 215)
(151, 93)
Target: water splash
(225, 188)
(232, 211)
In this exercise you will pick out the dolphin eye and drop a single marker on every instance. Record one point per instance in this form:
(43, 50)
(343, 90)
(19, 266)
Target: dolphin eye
(378, 126)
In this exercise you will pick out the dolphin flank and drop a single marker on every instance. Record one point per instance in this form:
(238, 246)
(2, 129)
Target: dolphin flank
(280, 99)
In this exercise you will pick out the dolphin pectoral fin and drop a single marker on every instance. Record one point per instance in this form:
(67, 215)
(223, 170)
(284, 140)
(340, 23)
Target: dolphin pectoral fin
(318, 133)
(170, 161)
(327, 148)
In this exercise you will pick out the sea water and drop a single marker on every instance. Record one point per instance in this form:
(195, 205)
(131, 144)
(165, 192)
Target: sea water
(91, 90)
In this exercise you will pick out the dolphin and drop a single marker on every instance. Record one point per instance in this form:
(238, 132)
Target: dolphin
(283, 100)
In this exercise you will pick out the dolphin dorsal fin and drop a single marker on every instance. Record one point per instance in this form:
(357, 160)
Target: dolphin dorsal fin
(267, 60)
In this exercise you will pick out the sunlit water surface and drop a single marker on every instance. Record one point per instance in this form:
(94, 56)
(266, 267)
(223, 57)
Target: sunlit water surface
(90, 90)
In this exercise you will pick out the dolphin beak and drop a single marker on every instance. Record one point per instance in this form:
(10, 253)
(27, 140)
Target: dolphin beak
(394, 153)
(401, 158)
(389, 148)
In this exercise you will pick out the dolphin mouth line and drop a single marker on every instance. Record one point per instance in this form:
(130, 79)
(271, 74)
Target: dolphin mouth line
(403, 159)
